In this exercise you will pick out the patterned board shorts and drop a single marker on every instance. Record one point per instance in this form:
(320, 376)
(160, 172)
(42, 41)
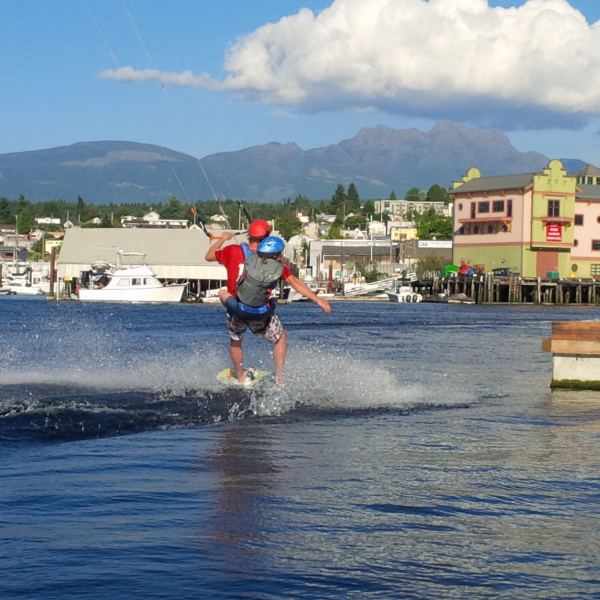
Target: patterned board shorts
(268, 326)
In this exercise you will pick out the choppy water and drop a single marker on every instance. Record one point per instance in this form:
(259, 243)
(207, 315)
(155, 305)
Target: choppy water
(420, 454)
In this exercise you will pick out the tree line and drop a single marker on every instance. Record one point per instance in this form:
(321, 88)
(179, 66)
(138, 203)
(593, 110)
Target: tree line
(346, 204)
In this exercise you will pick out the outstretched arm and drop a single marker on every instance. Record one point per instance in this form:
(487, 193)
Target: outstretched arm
(216, 245)
(303, 289)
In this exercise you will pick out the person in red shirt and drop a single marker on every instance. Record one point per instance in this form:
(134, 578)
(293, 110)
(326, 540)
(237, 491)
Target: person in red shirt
(267, 323)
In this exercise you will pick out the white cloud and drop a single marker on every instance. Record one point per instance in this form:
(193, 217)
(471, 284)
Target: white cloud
(185, 78)
(438, 58)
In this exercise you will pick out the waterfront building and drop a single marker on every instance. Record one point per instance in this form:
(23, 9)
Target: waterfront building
(402, 208)
(538, 224)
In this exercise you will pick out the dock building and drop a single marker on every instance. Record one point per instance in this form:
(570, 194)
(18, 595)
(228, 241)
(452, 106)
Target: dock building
(543, 225)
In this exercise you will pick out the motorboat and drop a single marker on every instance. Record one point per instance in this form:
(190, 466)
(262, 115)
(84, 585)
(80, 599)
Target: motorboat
(26, 283)
(131, 284)
(210, 297)
(403, 294)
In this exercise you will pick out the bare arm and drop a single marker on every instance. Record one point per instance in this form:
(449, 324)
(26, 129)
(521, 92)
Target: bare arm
(216, 245)
(303, 289)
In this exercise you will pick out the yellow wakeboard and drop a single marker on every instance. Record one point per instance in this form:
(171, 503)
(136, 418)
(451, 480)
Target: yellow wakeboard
(256, 376)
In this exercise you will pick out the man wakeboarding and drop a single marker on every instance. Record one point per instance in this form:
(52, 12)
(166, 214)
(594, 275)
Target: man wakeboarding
(247, 296)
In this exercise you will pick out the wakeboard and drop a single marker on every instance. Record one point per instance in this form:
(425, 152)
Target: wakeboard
(256, 377)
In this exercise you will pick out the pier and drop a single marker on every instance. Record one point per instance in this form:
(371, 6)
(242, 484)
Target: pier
(575, 348)
(514, 289)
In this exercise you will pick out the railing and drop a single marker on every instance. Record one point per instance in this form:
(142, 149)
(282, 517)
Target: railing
(364, 289)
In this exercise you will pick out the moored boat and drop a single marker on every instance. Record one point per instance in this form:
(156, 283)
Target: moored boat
(404, 294)
(135, 284)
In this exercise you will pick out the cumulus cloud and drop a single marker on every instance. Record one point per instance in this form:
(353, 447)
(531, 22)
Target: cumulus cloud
(538, 63)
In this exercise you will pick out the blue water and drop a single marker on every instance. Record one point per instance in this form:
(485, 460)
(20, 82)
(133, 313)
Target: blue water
(418, 453)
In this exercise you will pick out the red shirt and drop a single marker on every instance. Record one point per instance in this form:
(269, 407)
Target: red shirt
(232, 258)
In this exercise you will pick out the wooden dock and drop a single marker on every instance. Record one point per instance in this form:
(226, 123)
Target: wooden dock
(515, 289)
(575, 347)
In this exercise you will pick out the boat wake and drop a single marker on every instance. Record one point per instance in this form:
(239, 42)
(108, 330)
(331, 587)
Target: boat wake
(59, 412)
(45, 405)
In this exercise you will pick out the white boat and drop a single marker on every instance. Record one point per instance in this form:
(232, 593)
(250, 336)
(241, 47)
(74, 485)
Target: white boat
(27, 283)
(135, 284)
(404, 294)
(210, 297)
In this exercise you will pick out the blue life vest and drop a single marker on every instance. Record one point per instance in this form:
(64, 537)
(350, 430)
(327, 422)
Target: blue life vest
(246, 250)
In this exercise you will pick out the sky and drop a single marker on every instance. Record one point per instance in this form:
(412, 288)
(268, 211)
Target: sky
(201, 77)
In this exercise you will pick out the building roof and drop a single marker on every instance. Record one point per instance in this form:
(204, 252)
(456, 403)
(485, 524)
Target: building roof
(498, 182)
(171, 253)
(588, 171)
(588, 192)
(350, 250)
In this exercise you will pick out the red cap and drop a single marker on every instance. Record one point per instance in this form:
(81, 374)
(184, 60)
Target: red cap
(259, 229)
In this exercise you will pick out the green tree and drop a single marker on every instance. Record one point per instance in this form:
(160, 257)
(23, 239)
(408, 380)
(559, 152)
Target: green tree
(173, 210)
(428, 265)
(339, 199)
(368, 208)
(335, 232)
(26, 220)
(431, 225)
(355, 221)
(392, 195)
(301, 203)
(353, 204)
(288, 225)
(437, 194)
(414, 195)
(5, 212)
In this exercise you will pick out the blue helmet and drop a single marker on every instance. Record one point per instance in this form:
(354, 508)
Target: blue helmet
(271, 246)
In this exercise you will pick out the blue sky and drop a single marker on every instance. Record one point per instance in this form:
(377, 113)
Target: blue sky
(202, 77)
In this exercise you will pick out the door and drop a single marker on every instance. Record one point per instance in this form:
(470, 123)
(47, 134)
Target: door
(547, 262)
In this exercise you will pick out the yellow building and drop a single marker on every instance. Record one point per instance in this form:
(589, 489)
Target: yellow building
(539, 224)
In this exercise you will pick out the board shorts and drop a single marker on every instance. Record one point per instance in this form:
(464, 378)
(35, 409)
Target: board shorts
(269, 326)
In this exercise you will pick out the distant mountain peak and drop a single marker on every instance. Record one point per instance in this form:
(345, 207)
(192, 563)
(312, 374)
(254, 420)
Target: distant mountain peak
(377, 159)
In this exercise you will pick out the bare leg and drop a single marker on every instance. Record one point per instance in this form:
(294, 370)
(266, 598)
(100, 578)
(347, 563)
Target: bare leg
(237, 358)
(279, 352)
(223, 295)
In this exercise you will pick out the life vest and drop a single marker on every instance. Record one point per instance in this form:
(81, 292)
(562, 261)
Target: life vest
(246, 250)
(260, 276)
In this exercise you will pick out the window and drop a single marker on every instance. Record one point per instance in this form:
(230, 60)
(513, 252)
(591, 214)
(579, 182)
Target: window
(554, 208)
(509, 208)
(476, 229)
(484, 207)
(490, 229)
(575, 242)
(498, 206)
(595, 244)
(574, 268)
(460, 206)
(124, 281)
(595, 270)
(473, 209)
(578, 219)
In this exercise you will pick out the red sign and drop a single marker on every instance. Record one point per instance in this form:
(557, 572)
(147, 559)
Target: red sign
(554, 232)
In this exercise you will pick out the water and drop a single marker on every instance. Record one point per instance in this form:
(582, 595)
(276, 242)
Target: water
(420, 454)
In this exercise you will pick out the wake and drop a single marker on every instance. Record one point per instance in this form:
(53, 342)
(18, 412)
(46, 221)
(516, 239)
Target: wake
(50, 404)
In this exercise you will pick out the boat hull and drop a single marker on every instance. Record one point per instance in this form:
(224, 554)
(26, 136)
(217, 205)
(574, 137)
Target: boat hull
(404, 297)
(171, 293)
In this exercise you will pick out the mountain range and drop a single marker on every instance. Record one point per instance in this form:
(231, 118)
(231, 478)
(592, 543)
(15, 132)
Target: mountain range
(378, 160)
